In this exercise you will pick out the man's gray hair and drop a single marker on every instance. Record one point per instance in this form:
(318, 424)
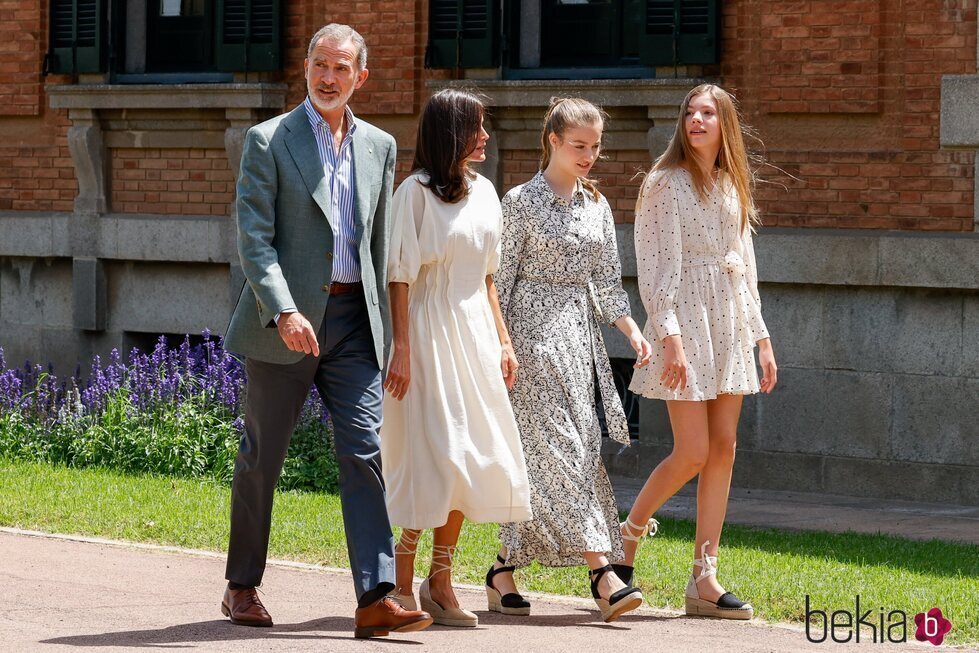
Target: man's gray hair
(339, 34)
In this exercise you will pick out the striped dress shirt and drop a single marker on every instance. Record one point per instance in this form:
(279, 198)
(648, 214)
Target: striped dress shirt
(338, 167)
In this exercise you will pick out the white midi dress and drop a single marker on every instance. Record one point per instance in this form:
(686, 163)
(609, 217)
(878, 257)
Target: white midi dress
(697, 278)
(451, 443)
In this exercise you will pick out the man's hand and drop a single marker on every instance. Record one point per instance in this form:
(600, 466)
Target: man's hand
(296, 331)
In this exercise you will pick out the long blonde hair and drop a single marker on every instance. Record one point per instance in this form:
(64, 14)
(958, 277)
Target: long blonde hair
(732, 159)
(564, 114)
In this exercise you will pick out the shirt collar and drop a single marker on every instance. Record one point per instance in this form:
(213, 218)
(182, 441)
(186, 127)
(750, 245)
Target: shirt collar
(317, 121)
(545, 188)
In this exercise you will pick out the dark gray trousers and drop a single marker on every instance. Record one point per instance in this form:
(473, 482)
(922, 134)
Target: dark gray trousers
(349, 381)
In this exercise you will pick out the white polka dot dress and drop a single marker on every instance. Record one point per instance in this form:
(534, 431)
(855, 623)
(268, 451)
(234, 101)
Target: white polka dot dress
(697, 278)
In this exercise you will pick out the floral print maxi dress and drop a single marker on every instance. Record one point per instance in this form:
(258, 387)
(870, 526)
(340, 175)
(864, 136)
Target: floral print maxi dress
(559, 274)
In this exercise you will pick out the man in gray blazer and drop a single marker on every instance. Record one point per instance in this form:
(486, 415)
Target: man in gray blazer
(314, 200)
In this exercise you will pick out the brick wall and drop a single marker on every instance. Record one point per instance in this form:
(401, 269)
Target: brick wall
(845, 95)
(395, 49)
(23, 27)
(36, 172)
(171, 181)
(825, 56)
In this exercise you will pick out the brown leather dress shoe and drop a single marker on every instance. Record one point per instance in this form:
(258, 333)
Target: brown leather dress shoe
(245, 608)
(387, 615)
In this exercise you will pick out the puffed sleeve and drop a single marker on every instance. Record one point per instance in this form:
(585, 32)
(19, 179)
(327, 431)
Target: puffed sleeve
(606, 277)
(757, 323)
(512, 240)
(659, 251)
(407, 218)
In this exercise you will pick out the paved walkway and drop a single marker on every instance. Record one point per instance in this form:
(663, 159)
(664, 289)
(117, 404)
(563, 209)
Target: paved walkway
(825, 512)
(66, 594)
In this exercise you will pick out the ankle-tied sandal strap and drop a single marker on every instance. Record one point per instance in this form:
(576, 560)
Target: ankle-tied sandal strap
(649, 530)
(406, 544)
(596, 576)
(707, 564)
(493, 571)
(442, 551)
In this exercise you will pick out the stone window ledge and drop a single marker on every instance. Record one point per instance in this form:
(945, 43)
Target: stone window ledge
(652, 93)
(161, 96)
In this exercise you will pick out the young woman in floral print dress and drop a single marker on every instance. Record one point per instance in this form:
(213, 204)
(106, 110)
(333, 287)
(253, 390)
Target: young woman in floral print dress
(559, 276)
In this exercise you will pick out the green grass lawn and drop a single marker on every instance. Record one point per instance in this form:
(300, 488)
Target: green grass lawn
(774, 569)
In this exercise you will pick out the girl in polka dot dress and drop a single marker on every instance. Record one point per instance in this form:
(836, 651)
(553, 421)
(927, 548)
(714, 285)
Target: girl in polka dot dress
(699, 285)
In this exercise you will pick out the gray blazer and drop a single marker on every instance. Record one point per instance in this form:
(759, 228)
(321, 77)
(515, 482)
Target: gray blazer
(285, 242)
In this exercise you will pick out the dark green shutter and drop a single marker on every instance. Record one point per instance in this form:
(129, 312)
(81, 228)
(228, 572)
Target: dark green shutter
(76, 36)
(680, 32)
(248, 35)
(462, 34)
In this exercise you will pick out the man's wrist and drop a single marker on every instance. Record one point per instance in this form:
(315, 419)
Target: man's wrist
(284, 311)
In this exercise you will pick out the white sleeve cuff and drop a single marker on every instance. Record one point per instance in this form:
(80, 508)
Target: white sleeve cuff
(283, 312)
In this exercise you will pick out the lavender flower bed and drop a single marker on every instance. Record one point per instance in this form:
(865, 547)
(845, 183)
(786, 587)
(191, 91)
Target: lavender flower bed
(175, 411)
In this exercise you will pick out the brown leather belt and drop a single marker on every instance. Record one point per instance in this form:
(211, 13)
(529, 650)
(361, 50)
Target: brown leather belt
(337, 288)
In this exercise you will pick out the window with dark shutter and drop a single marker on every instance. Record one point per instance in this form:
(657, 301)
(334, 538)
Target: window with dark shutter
(76, 36)
(248, 35)
(680, 32)
(462, 34)
(179, 36)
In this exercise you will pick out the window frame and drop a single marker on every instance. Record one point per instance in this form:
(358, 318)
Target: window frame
(256, 47)
(679, 48)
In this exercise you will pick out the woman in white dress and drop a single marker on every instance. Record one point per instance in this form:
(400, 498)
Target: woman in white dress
(698, 282)
(449, 441)
(559, 278)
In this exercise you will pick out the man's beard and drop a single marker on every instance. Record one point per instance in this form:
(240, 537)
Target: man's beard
(336, 103)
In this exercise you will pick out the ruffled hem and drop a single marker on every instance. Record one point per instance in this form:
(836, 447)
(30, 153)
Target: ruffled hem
(696, 395)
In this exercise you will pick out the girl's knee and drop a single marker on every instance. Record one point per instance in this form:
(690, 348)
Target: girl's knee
(692, 459)
(724, 447)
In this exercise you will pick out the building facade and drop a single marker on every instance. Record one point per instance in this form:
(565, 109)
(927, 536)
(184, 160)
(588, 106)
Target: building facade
(121, 124)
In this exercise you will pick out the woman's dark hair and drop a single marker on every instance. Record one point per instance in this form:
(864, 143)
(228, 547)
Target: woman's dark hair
(448, 132)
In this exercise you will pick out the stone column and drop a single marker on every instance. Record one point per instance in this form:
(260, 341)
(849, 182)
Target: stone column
(88, 153)
(492, 168)
(239, 120)
(659, 135)
(90, 156)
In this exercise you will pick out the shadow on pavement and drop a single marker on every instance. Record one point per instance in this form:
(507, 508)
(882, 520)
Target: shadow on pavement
(577, 617)
(221, 630)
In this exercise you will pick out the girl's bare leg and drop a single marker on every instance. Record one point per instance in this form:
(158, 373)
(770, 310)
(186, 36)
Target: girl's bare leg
(689, 420)
(714, 484)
